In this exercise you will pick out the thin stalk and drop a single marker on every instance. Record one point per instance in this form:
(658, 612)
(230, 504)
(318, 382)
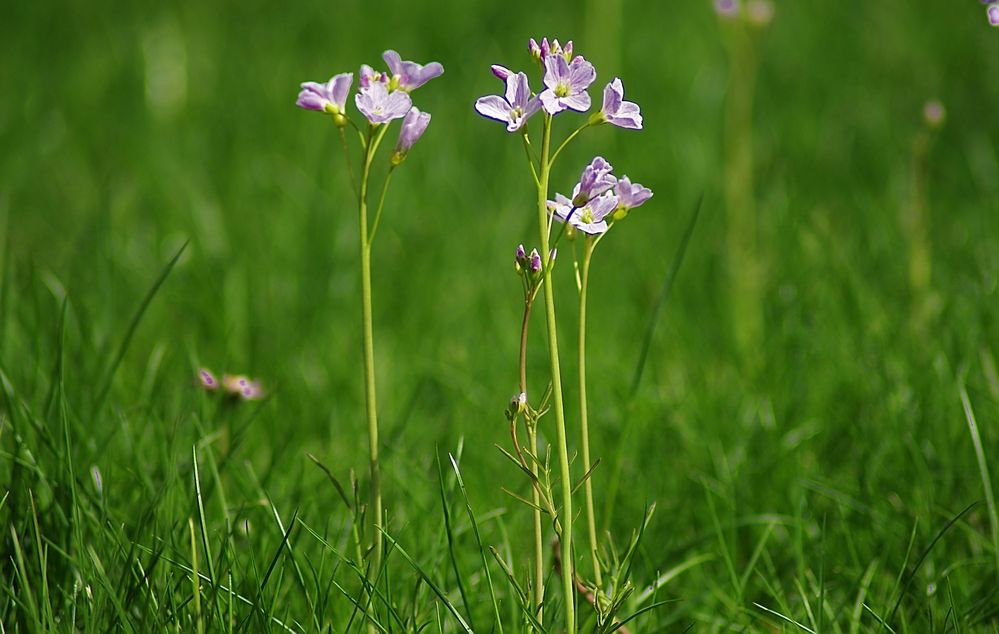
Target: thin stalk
(381, 204)
(567, 140)
(369, 351)
(583, 413)
(532, 432)
(563, 451)
(346, 161)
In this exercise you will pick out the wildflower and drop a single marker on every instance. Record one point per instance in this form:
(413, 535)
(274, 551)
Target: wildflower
(414, 124)
(761, 12)
(993, 13)
(727, 9)
(588, 218)
(934, 113)
(515, 109)
(207, 380)
(409, 76)
(629, 195)
(566, 84)
(595, 180)
(379, 105)
(330, 97)
(242, 387)
(617, 111)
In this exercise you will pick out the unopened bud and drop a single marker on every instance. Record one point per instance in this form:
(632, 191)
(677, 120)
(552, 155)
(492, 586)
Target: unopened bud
(535, 261)
(545, 48)
(567, 51)
(534, 49)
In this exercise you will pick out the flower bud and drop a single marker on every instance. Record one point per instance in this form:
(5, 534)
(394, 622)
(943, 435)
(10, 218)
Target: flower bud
(545, 48)
(535, 262)
(534, 49)
(567, 51)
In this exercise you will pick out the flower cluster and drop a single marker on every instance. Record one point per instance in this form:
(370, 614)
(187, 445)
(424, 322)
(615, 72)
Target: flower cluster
(598, 195)
(566, 78)
(232, 385)
(382, 98)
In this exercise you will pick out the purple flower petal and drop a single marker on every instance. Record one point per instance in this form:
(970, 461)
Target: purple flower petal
(379, 106)
(414, 124)
(515, 109)
(617, 111)
(410, 75)
(494, 107)
(631, 195)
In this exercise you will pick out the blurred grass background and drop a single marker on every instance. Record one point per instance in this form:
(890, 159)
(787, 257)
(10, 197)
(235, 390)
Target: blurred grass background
(128, 128)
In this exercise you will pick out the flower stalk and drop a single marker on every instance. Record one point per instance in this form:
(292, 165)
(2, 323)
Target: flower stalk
(584, 277)
(565, 538)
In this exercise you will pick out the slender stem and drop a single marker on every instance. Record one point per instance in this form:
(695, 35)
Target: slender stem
(530, 159)
(369, 351)
(381, 204)
(532, 432)
(563, 451)
(566, 142)
(346, 160)
(583, 412)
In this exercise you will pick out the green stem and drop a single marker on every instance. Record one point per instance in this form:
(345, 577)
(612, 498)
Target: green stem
(568, 585)
(369, 350)
(532, 433)
(381, 204)
(583, 412)
(566, 142)
(346, 160)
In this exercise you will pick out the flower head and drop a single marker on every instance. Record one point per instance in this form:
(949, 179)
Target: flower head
(409, 76)
(629, 195)
(595, 180)
(934, 113)
(207, 380)
(242, 387)
(727, 9)
(379, 105)
(588, 218)
(330, 97)
(414, 124)
(566, 84)
(761, 12)
(515, 109)
(617, 111)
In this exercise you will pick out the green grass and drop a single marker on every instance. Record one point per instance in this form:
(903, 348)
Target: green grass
(837, 481)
